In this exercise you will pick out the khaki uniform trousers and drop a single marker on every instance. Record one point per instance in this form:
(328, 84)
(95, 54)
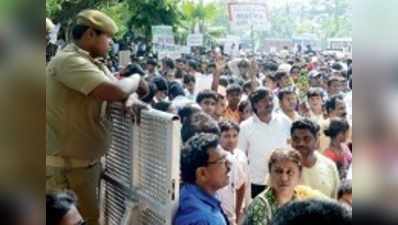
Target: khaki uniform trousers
(84, 182)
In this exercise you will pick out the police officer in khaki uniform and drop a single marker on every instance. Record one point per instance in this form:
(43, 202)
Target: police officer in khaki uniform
(78, 88)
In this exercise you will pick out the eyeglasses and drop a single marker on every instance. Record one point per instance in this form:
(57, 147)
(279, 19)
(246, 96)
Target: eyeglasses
(221, 160)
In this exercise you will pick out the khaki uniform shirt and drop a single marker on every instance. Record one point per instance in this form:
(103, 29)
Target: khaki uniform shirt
(76, 124)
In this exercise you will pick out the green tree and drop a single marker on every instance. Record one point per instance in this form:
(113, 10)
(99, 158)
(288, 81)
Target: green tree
(325, 18)
(146, 13)
(198, 14)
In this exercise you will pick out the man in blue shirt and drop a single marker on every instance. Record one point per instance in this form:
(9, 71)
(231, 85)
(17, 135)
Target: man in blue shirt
(204, 170)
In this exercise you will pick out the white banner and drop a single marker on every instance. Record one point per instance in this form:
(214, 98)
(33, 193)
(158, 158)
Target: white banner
(231, 45)
(247, 15)
(163, 40)
(162, 35)
(124, 58)
(172, 51)
(195, 40)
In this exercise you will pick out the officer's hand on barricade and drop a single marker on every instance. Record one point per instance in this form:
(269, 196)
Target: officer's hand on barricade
(134, 106)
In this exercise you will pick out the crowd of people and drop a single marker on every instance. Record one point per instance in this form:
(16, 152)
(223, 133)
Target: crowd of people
(267, 137)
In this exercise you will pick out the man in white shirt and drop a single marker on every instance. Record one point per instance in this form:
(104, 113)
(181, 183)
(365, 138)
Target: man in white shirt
(288, 102)
(319, 172)
(260, 135)
(233, 196)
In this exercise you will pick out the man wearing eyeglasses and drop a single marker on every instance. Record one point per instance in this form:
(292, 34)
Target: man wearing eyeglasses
(204, 170)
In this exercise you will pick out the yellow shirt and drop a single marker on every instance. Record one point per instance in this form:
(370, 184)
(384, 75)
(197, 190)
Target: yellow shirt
(323, 176)
(76, 125)
(305, 192)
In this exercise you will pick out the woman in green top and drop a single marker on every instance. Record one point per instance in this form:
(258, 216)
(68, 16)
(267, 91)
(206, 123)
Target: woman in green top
(285, 173)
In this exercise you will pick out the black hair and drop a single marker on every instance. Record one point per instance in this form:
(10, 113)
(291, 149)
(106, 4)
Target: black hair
(247, 85)
(280, 74)
(186, 112)
(344, 188)
(224, 81)
(336, 126)
(152, 61)
(331, 103)
(315, 91)
(193, 64)
(175, 89)
(242, 105)
(160, 83)
(234, 88)
(199, 123)
(314, 212)
(133, 68)
(79, 30)
(188, 78)
(257, 95)
(285, 91)
(226, 125)
(270, 66)
(162, 106)
(337, 66)
(206, 94)
(58, 205)
(350, 83)
(244, 63)
(295, 67)
(169, 63)
(152, 90)
(180, 74)
(195, 154)
(305, 124)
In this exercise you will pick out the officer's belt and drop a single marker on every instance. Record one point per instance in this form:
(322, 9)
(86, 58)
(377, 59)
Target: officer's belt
(61, 162)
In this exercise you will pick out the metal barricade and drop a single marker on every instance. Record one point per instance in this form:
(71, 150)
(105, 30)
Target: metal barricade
(140, 184)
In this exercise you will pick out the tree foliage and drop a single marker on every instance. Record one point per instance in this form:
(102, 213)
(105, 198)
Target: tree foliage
(325, 18)
(146, 13)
